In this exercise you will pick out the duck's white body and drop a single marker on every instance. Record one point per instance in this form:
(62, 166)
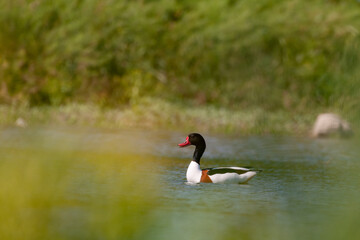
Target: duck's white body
(194, 174)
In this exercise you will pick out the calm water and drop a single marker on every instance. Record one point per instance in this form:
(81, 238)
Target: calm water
(306, 188)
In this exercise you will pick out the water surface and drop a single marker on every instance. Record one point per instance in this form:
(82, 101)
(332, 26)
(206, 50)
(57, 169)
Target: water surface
(308, 188)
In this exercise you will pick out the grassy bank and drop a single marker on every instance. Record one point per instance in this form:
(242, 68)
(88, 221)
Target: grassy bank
(273, 55)
(157, 114)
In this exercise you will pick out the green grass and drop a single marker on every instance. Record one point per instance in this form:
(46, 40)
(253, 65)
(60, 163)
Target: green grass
(249, 67)
(271, 55)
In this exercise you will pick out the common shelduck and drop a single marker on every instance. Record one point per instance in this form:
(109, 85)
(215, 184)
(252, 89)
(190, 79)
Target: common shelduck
(195, 174)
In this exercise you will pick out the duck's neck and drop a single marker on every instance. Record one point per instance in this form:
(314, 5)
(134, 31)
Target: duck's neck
(199, 150)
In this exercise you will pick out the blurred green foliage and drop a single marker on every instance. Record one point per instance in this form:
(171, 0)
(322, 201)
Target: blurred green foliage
(271, 54)
(59, 192)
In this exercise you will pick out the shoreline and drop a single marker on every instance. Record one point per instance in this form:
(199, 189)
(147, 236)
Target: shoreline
(157, 114)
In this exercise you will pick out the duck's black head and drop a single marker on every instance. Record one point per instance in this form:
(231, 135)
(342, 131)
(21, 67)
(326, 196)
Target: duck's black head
(199, 142)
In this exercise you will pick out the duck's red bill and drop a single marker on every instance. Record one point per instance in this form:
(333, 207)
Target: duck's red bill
(186, 143)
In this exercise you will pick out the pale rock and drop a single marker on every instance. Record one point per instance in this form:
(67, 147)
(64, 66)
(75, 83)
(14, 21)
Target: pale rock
(20, 122)
(330, 124)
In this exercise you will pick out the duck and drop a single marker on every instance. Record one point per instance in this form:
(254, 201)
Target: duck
(195, 174)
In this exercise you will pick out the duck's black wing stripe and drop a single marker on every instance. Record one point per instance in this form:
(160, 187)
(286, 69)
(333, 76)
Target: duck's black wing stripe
(213, 171)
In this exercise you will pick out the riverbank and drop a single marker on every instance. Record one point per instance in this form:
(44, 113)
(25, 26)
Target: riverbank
(273, 55)
(153, 113)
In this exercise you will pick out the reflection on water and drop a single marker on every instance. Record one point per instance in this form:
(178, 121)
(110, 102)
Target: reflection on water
(308, 188)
